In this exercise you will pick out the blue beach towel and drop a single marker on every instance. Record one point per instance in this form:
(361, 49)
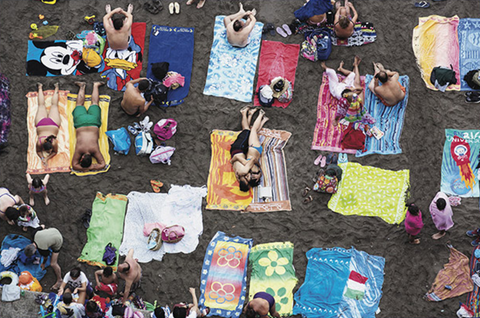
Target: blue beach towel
(313, 7)
(468, 38)
(388, 119)
(231, 70)
(175, 46)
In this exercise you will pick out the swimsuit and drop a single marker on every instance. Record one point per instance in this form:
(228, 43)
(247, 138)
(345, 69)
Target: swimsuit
(259, 149)
(84, 118)
(9, 195)
(39, 190)
(403, 89)
(240, 145)
(47, 121)
(267, 297)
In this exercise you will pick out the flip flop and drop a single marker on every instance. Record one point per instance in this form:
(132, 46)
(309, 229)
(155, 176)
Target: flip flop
(151, 8)
(308, 199)
(281, 32)
(422, 4)
(156, 185)
(158, 4)
(323, 162)
(200, 4)
(177, 8)
(317, 161)
(305, 191)
(342, 158)
(287, 29)
(171, 8)
(329, 158)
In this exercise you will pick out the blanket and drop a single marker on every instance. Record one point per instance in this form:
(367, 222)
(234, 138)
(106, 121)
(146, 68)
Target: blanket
(5, 120)
(388, 119)
(175, 46)
(61, 161)
(364, 33)
(468, 30)
(273, 272)
(277, 59)
(326, 136)
(106, 226)
(435, 43)
(102, 141)
(19, 241)
(313, 7)
(182, 206)
(224, 275)
(371, 191)
(122, 66)
(456, 274)
(473, 297)
(231, 70)
(459, 163)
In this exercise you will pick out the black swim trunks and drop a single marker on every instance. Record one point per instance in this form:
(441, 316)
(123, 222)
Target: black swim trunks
(240, 145)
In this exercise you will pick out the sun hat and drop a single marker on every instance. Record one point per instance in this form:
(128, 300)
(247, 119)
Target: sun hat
(279, 85)
(265, 96)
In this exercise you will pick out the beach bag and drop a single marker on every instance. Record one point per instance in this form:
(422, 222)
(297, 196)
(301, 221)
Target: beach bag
(173, 234)
(143, 143)
(155, 240)
(110, 254)
(317, 45)
(442, 77)
(165, 128)
(120, 140)
(158, 91)
(118, 310)
(353, 138)
(325, 183)
(91, 58)
(162, 154)
(130, 313)
(324, 45)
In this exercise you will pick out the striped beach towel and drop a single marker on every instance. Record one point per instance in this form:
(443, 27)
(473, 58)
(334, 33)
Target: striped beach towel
(468, 33)
(364, 33)
(473, 297)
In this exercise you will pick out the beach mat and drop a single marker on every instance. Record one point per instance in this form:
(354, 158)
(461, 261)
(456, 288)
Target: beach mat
(371, 191)
(273, 272)
(175, 46)
(122, 66)
(459, 163)
(468, 31)
(435, 43)
(104, 103)
(327, 137)
(61, 161)
(388, 119)
(364, 33)
(231, 70)
(182, 206)
(276, 59)
(5, 118)
(106, 226)
(224, 275)
(473, 297)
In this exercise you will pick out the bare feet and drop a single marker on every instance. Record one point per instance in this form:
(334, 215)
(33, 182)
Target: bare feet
(356, 60)
(47, 201)
(252, 111)
(24, 229)
(264, 120)
(130, 8)
(56, 86)
(200, 4)
(39, 85)
(57, 285)
(98, 83)
(323, 65)
(262, 112)
(42, 226)
(108, 8)
(415, 241)
(81, 84)
(340, 67)
(254, 12)
(244, 110)
(189, 2)
(32, 202)
(438, 235)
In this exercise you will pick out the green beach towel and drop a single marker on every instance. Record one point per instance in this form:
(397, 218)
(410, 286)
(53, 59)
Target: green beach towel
(106, 226)
(371, 191)
(273, 273)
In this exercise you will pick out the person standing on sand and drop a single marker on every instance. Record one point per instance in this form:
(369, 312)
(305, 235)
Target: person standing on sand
(344, 23)
(413, 223)
(391, 92)
(237, 30)
(133, 102)
(118, 25)
(442, 214)
(131, 272)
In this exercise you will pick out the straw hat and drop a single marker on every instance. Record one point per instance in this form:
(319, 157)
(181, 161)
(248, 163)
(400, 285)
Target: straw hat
(279, 85)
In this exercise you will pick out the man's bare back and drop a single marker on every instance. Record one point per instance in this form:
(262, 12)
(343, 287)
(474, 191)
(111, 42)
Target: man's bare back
(239, 38)
(391, 92)
(131, 272)
(118, 39)
(133, 103)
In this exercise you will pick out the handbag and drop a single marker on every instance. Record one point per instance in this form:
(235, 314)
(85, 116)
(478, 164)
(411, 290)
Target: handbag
(110, 254)
(173, 234)
(325, 183)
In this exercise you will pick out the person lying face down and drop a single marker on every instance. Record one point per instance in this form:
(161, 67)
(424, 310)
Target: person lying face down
(237, 30)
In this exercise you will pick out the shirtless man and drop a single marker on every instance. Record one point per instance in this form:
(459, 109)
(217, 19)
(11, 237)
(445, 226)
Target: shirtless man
(391, 92)
(237, 30)
(8, 200)
(106, 281)
(260, 306)
(246, 150)
(133, 102)
(131, 272)
(344, 22)
(118, 25)
(87, 125)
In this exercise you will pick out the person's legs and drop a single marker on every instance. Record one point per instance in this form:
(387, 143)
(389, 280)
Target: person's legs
(439, 235)
(342, 70)
(45, 197)
(348, 14)
(32, 201)
(95, 94)
(81, 93)
(333, 82)
(54, 114)
(245, 121)
(358, 80)
(56, 269)
(81, 297)
(253, 139)
(264, 120)
(42, 110)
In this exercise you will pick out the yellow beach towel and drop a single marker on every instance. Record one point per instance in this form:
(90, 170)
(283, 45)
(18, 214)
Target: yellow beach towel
(61, 161)
(102, 141)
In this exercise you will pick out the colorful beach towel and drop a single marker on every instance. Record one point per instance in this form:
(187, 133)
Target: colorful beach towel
(224, 275)
(104, 104)
(455, 274)
(122, 66)
(182, 206)
(273, 272)
(459, 163)
(175, 46)
(106, 226)
(5, 120)
(370, 191)
(61, 161)
(231, 70)
(327, 137)
(276, 59)
(388, 119)
(435, 43)
(363, 33)
(473, 297)
(468, 33)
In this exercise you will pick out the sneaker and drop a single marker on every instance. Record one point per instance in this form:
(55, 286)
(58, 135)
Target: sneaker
(475, 243)
(471, 234)
(472, 99)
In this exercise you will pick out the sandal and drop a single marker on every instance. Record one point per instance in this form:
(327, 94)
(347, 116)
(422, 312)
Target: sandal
(158, 4)
(317, 161)
(305, 191)
(422, 4)
(171, 8)
(287, 29)
(151, 8)
(308, 199)
(281, 32)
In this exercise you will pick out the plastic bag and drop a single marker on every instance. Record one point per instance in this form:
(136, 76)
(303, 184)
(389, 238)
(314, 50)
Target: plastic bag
(120, 140)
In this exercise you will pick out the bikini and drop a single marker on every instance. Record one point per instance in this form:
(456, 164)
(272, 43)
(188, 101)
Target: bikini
(9, 195)
(39, 190)
(266, 296)
(259, 149)
(47, 121)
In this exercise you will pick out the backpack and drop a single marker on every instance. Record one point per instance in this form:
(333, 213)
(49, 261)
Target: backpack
(353, 138)
(162, 154)
(110, 255)
(317, 45)
(442, 76)
(325, 183)
(165, 128)
(173, 234)
(143, 143)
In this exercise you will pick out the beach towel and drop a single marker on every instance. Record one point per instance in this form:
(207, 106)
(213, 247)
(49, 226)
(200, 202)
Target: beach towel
(122, 66)
(5, 120)
(435, 43)
(55, 58)
(19, 241)
(388, 119)
(273, 272)
(277, 59)
(224, 275)
(61, 161)
(106, 226)
(364, 33)
(459, 163)
(181, 206)
(327, 137)
(371, 191)
(455, 274)
(313, 7)
(175, 46)
(104, 103)
(473, 297)
(231, 70)
(468, 32)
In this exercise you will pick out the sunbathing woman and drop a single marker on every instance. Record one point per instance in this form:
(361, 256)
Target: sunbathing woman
(344, 22)
(48, 124)
(7, 200)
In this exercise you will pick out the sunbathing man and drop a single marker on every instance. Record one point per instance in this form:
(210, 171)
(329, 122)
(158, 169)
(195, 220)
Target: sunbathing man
(344, 23)
(133, 102)
(246, 150)
(237, 30)
(391, 92)
(47, 124)
(87, 125)
(131, 272)
(118, 25)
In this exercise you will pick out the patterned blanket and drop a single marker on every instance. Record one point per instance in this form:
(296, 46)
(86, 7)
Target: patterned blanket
(468, 32)
(473, 297)
(364, 33)
(5, 120)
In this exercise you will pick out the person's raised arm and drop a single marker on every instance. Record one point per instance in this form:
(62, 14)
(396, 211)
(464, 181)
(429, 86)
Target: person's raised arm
(230, 18)
(62, 286)
(98, 274)
(100, 161)
(135, 81)
(76, 162)
(18, 199)
(29, 179)
(393, 75)
(250, 24)
(355, 14)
